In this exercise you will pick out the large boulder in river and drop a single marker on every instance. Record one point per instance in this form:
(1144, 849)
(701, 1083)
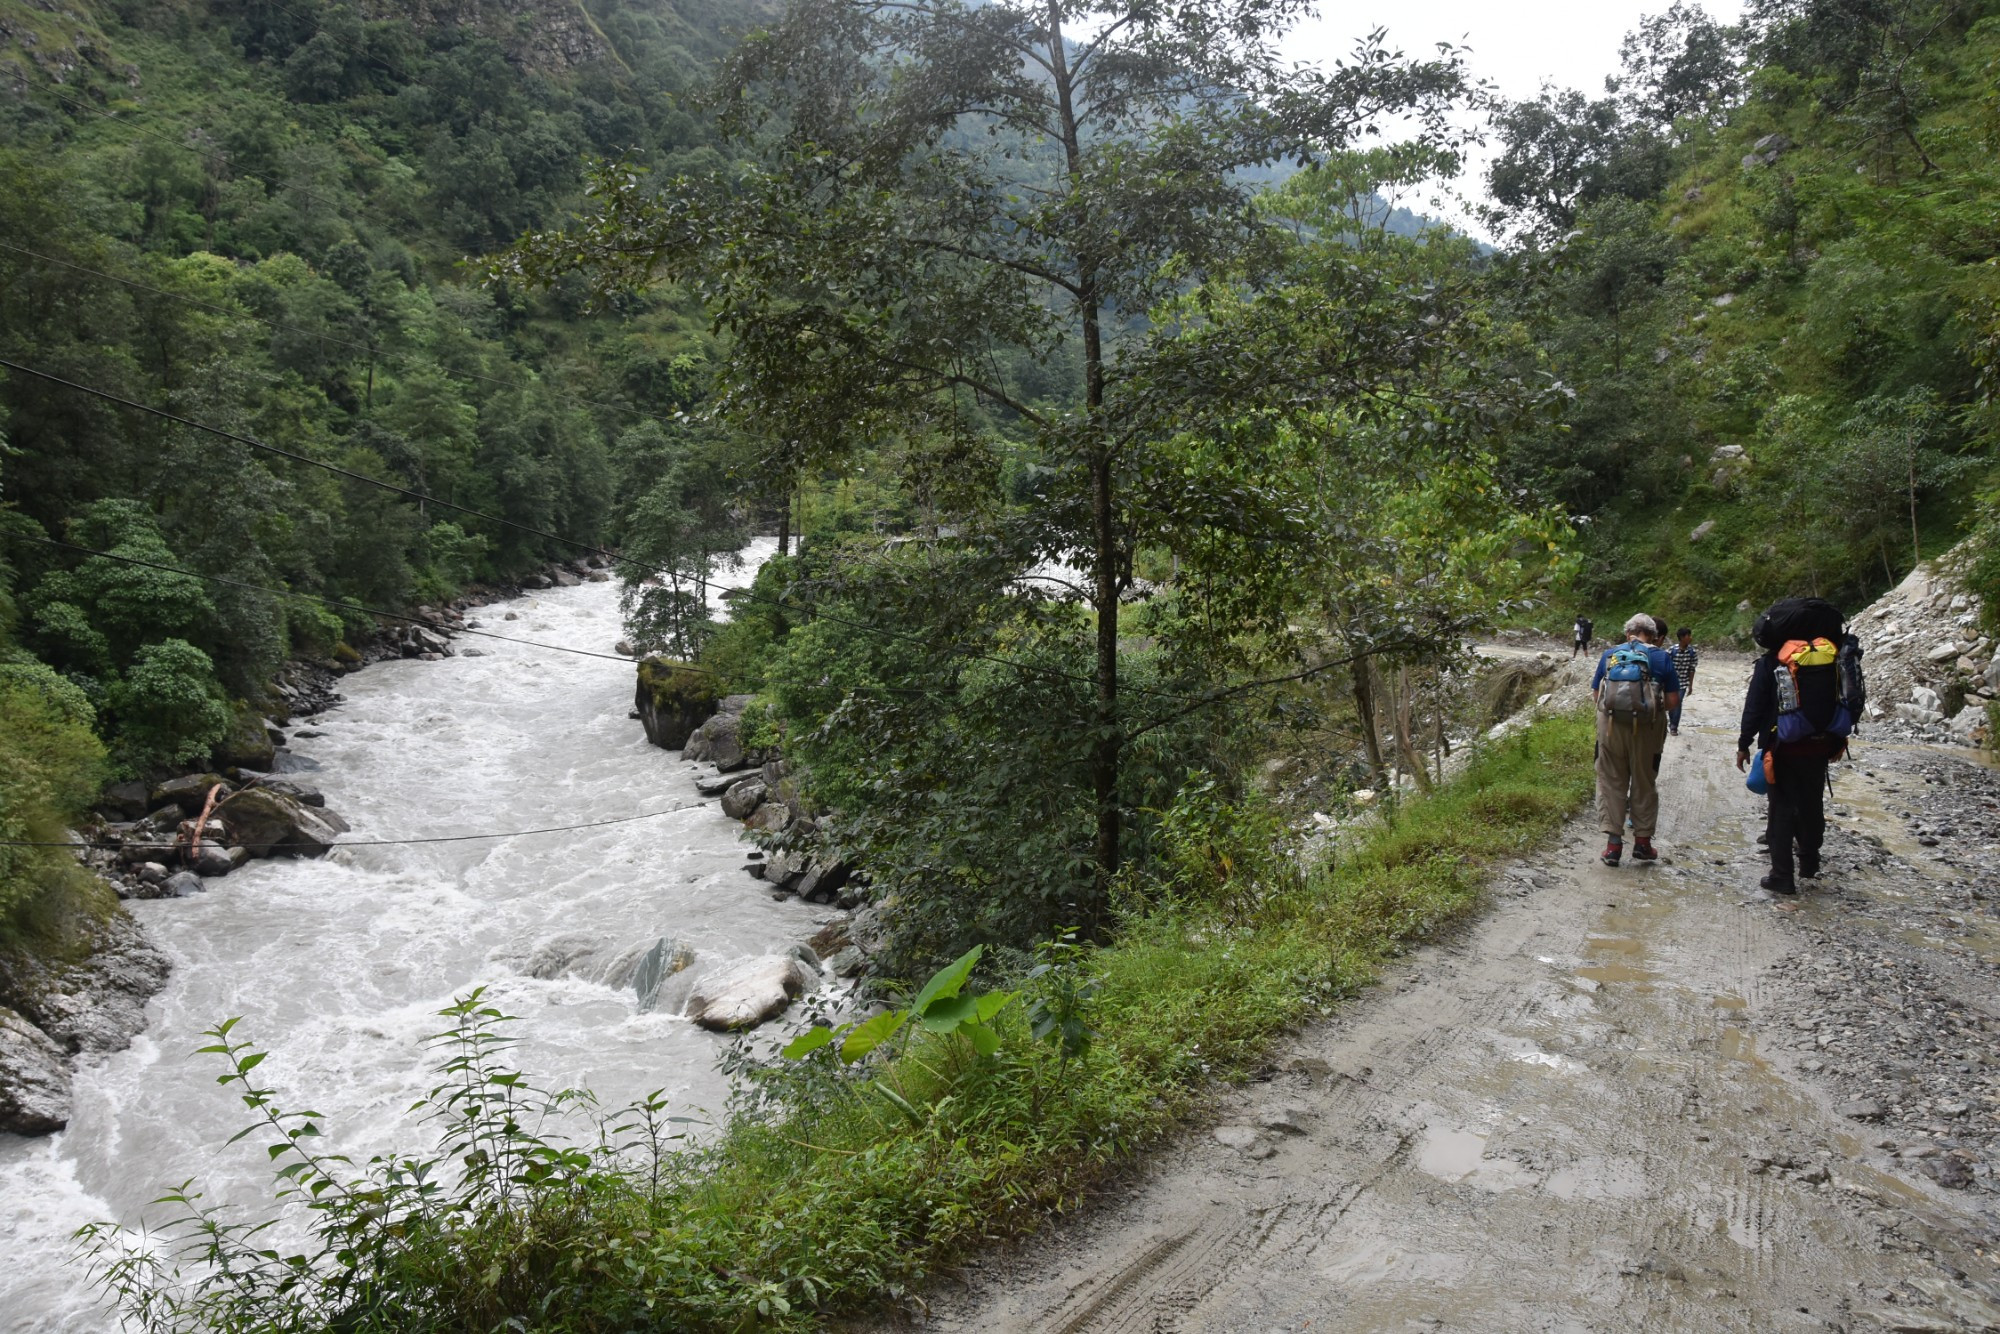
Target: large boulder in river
(673, 700)
(746, 994)
(274, 824)
(657, 966)
(34, 1079)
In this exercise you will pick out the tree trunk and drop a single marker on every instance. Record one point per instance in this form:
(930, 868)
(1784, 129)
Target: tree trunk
(1371, 735)
(785, 523)
(1916, 545)
(1413, 763)
(1104, 555)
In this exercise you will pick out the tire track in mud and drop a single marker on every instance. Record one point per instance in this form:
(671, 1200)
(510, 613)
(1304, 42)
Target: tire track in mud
(1559, 1119)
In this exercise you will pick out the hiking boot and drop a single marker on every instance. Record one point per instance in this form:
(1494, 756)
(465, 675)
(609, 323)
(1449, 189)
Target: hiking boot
(1642, 851)
(1673, 731)
(1778, 886)
(1612, 852)
(1763, 840)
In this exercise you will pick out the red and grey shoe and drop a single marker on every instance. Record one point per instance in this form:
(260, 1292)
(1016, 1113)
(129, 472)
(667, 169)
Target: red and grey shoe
(1612, 852)
(1642, 850)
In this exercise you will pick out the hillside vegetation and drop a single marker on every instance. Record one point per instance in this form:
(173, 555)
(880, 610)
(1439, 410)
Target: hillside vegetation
(1765, 262)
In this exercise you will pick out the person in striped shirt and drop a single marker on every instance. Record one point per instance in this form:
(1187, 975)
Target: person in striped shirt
(1685, 657)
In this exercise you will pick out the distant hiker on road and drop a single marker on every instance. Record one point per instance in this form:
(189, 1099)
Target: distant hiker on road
(1686, 657)
(1805, 694)
(1583, 628)
(1635, 685)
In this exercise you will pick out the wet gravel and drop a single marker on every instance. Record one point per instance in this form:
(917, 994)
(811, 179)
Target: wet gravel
(1892, 1003)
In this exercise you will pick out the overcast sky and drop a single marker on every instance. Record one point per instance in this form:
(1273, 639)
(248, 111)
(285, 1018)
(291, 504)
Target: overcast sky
(1517, 45)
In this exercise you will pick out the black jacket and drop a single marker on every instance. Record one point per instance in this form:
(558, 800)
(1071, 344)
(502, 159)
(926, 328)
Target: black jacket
(1760, 706)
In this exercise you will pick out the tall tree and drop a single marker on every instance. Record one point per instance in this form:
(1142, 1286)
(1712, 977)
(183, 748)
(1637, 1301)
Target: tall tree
(943, 196)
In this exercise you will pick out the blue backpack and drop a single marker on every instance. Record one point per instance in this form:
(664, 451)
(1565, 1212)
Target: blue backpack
(1629, 690)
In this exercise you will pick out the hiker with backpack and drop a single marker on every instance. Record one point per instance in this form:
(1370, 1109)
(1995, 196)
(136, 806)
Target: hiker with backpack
(1584, 626)
(1686, 657)
(1635, 685)
(1806, 693)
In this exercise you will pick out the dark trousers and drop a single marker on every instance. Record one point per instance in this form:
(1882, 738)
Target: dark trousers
(1797, 813)
(1674, 717)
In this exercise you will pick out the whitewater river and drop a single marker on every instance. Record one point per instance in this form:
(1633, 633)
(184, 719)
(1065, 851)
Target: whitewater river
(339, 966)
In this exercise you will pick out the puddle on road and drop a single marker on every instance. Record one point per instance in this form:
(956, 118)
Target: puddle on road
(1618, 972)
(1733, 1044)
(1459, 1156)
(1622, 966)
(1599, 1179)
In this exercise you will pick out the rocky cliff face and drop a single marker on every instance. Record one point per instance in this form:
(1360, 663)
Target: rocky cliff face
(1928, 663)
(546, 36)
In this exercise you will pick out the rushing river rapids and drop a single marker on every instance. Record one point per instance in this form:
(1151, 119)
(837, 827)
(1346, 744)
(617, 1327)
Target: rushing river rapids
(338, 967)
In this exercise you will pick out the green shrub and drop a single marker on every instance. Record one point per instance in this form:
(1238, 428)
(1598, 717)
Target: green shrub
(51, 764)
(168, 706)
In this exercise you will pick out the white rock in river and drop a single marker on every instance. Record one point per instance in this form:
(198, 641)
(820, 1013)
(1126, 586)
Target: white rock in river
(746, 994)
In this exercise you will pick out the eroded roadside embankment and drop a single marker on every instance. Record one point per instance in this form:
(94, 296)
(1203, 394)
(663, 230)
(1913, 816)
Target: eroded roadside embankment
(1642, 1098)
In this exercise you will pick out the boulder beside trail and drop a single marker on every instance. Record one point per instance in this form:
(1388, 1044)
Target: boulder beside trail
(34, 1079)
(748, 993)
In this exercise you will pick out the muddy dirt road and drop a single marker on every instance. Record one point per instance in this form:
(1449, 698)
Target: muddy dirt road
(1647, 1098)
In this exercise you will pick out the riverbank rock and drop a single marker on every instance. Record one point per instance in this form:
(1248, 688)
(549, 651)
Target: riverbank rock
(298, 789)
(720, 740)
(34, 1079)
(188, 792)
(749, 993)
(673, 701)
(96, 1000)
(270, 823)
(743, 798)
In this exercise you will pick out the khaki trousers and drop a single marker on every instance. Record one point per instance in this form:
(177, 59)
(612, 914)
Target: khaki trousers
(1628, 765)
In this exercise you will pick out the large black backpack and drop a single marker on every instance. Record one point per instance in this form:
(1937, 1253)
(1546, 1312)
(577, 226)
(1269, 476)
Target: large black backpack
(1818, 704)
(1797, 618)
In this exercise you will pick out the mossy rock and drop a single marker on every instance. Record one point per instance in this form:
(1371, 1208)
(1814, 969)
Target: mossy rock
(344, 653)
(673, 699)
(247, 745)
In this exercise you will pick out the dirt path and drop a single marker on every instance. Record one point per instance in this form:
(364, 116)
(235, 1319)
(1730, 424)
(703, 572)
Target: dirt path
(1632, 1099)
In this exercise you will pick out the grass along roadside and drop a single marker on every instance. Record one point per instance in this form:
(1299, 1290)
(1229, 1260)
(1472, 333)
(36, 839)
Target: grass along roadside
(837, 1185)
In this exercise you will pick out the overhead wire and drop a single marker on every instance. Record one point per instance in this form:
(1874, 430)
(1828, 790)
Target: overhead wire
(105, 845)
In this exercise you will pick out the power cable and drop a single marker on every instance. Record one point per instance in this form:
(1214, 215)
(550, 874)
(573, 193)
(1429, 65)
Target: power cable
(107, 846)
(373, 352)
(420, 497)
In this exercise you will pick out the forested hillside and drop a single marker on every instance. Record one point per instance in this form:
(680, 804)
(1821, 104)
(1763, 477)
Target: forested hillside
(256, 217)
(1764, 260)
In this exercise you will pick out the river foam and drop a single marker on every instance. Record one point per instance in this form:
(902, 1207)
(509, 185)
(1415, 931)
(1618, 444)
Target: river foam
(338, 967)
